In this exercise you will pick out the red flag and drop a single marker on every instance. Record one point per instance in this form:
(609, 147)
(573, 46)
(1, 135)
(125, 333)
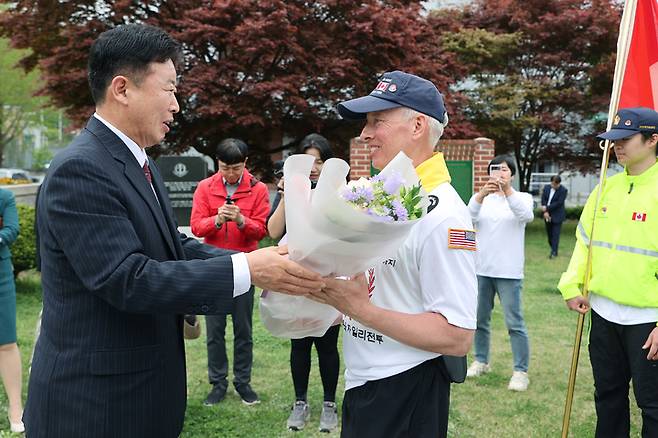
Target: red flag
(640, 87)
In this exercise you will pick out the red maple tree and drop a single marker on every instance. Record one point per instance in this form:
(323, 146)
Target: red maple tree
(261, 71)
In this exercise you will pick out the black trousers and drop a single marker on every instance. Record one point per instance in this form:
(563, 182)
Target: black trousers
(328, 359)
(553, 233)
(241, 314)
(617, 358)
(411, 404)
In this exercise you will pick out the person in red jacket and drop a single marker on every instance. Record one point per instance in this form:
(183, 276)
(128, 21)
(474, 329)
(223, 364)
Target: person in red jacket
(229, 211)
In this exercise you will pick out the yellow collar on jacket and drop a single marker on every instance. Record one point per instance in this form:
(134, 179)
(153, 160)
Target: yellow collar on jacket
(433, 172)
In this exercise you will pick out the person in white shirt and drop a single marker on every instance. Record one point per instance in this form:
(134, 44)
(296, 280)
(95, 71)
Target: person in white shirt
(500, 215)
(419, 305)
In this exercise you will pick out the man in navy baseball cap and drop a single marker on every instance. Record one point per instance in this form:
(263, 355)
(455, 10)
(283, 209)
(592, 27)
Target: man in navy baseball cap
(398, 112)
(630, 121)
(414, 313)
(396, 89)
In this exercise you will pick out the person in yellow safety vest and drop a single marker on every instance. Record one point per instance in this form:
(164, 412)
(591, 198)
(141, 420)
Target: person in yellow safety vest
(623, 343)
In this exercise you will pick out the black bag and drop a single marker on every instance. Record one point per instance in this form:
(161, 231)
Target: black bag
(455, 367)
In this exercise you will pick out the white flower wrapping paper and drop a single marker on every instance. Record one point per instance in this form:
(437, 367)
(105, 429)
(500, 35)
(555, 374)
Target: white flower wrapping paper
(328, 235)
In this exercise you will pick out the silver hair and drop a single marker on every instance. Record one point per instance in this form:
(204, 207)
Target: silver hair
(436, 127)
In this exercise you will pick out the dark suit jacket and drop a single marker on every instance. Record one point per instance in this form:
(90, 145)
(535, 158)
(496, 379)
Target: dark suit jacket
(116, 278)
(556, 209)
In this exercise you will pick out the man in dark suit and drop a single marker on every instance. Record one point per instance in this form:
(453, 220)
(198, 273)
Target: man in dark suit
(116, 274)
(552, 205)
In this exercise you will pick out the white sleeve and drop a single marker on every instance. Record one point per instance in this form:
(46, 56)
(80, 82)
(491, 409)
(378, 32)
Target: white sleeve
(521, 205)
(447, 276)
(474, 208)
(241, 274)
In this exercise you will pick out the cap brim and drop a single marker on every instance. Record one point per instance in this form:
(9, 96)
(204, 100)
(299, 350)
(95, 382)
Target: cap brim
(617, 134)
(356, 109)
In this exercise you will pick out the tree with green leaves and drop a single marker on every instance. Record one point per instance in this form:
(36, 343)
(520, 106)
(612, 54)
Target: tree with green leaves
(17, 101)
(541, 71)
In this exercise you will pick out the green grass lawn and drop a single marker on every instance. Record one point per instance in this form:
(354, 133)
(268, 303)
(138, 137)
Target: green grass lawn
(480, 408)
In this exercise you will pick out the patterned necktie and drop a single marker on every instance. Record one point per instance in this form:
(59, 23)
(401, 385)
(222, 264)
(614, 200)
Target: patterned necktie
(147, 172)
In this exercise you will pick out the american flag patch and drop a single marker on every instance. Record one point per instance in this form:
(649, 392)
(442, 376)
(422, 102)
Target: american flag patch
(461, 239)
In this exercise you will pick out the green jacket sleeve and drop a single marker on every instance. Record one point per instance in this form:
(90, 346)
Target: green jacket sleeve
(9, 230)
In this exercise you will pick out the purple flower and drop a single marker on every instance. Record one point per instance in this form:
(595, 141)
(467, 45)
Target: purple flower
(393, 183)
(399, 210)
(349, 194)
(365, 193)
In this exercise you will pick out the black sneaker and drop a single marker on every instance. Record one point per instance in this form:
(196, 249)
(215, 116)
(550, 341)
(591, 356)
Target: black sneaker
(216, 395)
(248, 396)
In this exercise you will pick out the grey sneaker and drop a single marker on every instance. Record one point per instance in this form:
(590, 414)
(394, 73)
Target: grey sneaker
(300, 414)
(329, 417)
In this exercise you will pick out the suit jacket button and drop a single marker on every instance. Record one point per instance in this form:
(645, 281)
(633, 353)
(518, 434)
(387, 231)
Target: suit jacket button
(205, 308)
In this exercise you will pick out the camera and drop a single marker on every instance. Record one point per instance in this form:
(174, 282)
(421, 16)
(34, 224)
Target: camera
(495, 170)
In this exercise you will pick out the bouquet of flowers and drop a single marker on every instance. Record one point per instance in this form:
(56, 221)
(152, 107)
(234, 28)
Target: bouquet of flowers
(385, 198)
(340, 229)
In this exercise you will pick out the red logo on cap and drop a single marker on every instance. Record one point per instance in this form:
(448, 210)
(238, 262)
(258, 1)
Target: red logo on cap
(382, 86)
(639, 217)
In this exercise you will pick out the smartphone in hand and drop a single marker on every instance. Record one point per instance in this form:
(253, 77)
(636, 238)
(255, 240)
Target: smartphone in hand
(496, 171)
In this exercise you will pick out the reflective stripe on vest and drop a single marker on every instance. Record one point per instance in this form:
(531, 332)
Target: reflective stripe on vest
(641, 251)
(624, 248)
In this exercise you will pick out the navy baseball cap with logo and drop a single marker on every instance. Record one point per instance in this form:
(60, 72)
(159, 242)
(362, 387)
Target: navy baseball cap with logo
(630, 121)
(397, 89)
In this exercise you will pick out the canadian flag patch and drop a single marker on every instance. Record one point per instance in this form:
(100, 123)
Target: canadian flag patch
(382, 86)
(639, 217)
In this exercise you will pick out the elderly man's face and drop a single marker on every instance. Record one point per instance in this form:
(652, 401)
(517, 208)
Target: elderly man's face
(387, 133)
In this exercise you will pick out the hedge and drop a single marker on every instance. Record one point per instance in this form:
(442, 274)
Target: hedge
(23, 251)
(572, 212)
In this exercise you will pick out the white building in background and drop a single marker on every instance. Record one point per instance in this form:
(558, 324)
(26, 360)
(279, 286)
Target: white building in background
(579, 186)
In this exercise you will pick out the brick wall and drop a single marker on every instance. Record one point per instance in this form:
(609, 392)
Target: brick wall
(359, 159)
(479, 150)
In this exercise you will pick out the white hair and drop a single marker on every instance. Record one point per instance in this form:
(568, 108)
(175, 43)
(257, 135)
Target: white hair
(436, 128)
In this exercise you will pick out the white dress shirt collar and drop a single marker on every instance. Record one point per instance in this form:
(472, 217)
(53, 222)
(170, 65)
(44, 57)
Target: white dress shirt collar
(138, 153)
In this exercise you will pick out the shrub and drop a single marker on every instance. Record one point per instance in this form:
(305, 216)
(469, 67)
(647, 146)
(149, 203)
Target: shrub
(24, 250)
(574, 212)
(571, 212)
